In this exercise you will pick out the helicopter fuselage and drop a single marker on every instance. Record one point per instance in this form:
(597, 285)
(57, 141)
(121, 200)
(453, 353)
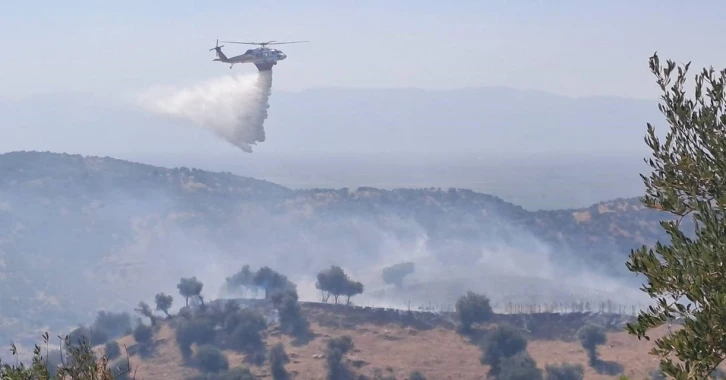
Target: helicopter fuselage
(264, 58)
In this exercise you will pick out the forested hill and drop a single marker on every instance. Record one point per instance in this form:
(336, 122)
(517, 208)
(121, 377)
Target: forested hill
(82, 233)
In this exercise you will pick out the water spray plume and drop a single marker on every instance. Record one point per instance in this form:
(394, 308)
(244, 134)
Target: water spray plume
(234, 107)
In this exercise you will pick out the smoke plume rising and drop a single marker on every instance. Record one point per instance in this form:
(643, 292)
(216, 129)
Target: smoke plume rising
(234, 107)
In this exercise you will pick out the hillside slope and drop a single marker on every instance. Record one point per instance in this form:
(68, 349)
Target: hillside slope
(79, 234)
(390, 347)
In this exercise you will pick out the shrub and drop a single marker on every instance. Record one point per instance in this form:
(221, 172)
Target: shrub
(210, 359)
(143, 333)
(416, 375)
(335, 352)
(519, 367)
(245, 329)
(198, 331)
(113, 350)
(473, 308)
(565, 371)
(292, 321)
(504, 342)
(278, 359)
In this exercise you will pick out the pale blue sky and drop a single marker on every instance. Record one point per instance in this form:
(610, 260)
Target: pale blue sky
(562, 46)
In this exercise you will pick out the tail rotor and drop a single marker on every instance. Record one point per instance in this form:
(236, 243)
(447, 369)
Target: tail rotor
(216, 47)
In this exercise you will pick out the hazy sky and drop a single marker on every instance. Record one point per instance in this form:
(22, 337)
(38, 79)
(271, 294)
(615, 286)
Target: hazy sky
(562, 46)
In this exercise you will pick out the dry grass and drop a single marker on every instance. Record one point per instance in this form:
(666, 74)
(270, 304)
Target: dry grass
(437, 353)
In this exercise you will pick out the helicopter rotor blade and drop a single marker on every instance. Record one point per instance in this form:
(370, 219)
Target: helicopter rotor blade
(283, 43)
(244, 43)
(264, 43)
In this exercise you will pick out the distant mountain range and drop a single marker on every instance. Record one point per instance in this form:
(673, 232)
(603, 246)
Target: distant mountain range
(82, 233)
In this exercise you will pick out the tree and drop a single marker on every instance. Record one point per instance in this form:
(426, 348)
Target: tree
(278, 359)
(686, 276)
(190, 287)
(590, 337)
(396, 273)
(292, 320)
(163, 302)
(334, 281)
(271, 281)
(145, 310)
(502, 343)
(242, 280)
(473, 308)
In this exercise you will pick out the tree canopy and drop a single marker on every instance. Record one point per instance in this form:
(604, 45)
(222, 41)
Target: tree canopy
(190, 287)
(686, 276)
(334, 281)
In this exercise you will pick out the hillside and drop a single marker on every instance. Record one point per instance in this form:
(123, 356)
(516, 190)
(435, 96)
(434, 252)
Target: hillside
(387, 343)
(79, 234)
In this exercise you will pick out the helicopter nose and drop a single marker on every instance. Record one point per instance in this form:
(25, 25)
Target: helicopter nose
(283, 56)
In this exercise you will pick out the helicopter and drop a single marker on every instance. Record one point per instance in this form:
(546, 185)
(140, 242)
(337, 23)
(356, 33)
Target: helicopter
(263, 57)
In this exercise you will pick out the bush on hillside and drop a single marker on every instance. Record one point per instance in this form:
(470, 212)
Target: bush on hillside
(473, 308)
(292, 320)
(334, 354)
(502, 343)
(278, 359)
(519, 367)
(244, 330)
(210, 359)
(198, 330)
(143, 333)
(564, 371)
(416, 375)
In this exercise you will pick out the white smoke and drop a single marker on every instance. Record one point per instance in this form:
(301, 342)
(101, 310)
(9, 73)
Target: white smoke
(234, 107)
